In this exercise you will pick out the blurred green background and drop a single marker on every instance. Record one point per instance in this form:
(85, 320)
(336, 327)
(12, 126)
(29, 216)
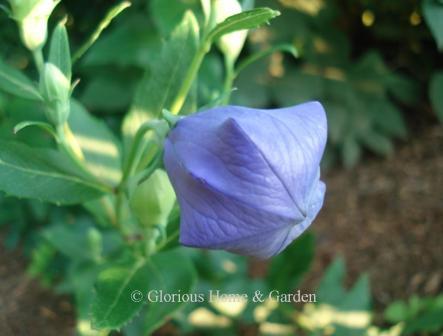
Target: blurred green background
(376, 67)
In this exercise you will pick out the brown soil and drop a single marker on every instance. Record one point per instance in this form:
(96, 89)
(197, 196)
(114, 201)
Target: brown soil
(385, 217)
(26, 309)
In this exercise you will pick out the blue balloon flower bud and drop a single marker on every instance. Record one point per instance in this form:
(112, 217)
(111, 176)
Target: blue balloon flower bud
(247, 180)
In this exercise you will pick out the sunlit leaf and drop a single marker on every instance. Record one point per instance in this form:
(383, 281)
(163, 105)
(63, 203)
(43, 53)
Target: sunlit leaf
(246, 20)
(171, 272)
(99, 145)
(161, 83)
(42, 174)
(115, 304)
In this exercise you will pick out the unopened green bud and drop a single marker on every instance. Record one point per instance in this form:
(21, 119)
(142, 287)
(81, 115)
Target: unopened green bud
(153, 200)
(95, 242)
(32, 17)
(56, 90)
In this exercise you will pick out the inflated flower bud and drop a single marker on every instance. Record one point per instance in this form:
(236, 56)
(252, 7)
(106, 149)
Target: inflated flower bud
(247, 180)
(153, 200)
(230, 44)
(32, 17)
(56, 90)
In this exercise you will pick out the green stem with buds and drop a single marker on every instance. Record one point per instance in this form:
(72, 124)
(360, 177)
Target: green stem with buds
(139, 146)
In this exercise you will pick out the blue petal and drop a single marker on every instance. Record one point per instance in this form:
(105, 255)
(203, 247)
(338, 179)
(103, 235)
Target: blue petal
(210, 219)
(227, 159)
(247, 180)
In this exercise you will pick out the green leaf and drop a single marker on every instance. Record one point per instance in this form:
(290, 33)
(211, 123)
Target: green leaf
(16, 83)
(99, 145)
(297, 87)
(359, 297)
(108, 93)
(402, 88)
(171, 272)
(168, 14)
(417, 315)
(59, 52)
(77, 242)
(396, 312)
(377, 142)
(287, 268)
(162, 82)
(389, 119)
(429, 321)
(436, 94)
(332, 292)
(81, 277)
(338, 117)
(130, 43)
(6, 10)
(246, 20)
(331, 289)
(43, 255)
(42, 174)
(351, 152)
(43, 125)
(114, 303)
(110, 15)
(433, 13)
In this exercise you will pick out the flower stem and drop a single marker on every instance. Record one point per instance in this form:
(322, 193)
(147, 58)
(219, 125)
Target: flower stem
(190, 77)
(229, 80)
(160, 127)
(39, 60)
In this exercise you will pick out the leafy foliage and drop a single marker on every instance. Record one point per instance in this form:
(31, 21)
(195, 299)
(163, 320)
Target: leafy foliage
(122, 289)
(113, 305)
(16, 83)
(50, 175)
(418, 314)
(287, 269)
(245, 20)
(433, 13)
(157, 55)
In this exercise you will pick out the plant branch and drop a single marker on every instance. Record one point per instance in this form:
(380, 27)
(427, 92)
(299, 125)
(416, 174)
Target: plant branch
(102, 26)
(39, 60)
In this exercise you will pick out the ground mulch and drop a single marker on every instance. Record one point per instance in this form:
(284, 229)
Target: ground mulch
(386, 218)
(27, 309)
